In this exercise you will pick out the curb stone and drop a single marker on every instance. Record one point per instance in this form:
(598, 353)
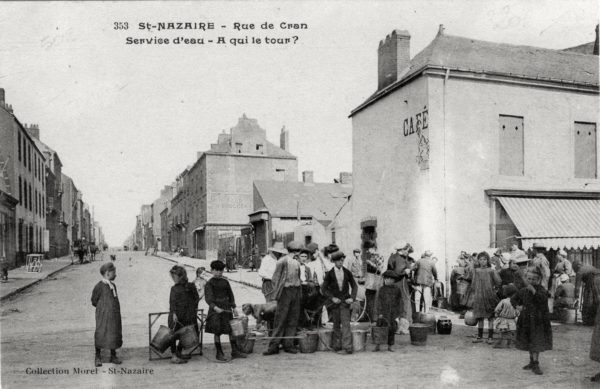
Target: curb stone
(24, 287)
(192, 267)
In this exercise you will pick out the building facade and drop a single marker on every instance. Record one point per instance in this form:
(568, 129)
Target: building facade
(302, 211)
(464, 145)
(24, 170)
(217, 191)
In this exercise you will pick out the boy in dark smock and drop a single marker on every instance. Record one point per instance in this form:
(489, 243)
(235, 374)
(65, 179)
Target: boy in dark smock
(183, 305)
(221, 304)
(386, 306)
(108, 333)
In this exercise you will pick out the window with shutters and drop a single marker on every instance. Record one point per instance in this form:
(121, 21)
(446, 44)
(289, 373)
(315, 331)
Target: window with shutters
(511, 151)
(585, 150)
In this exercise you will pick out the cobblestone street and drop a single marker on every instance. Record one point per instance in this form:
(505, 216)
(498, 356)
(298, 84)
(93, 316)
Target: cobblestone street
(51, 326)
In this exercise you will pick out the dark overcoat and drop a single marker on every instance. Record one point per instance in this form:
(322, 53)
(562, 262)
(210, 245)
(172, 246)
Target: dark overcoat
(108, 333)
(218, 293)
(533, 325)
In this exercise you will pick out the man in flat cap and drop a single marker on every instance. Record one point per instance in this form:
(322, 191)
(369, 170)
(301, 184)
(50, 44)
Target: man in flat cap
(425, 276)
(401, 264)
(341, 288)
(287, 291)
(267, 268)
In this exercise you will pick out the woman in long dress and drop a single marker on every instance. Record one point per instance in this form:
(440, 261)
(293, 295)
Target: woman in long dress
(108, 333)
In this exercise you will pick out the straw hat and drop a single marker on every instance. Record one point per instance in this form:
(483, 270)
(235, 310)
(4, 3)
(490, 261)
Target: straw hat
(278, 248)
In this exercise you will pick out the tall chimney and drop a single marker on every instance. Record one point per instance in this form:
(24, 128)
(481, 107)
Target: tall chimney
(284, 139)
(393, 56)
(307, 177)
(3, 94)
(34, 131)
(596, 42)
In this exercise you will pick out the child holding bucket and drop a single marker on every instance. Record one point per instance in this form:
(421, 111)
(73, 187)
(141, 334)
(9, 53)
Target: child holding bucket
(534, 333)
(183, 305)
(221, 305)
(506, 316)
(485, 299)
(387, 307)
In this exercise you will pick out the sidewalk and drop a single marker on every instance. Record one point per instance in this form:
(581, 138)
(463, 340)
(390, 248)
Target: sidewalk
(19, 279)
(242, 276)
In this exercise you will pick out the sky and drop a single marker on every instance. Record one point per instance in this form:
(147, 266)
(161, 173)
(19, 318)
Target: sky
(127, 119)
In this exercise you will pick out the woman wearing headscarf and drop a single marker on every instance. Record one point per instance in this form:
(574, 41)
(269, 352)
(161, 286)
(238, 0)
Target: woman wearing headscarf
(108, 333)
(183, 306)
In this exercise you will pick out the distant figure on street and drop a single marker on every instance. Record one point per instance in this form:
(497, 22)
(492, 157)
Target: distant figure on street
(267, 268)
(253, 258)
(354, 264)
(230, 259)
(341, 288)
(108, 333)
(540, 261)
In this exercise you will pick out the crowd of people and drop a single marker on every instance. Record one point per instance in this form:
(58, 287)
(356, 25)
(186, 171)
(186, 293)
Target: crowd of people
(305, 287)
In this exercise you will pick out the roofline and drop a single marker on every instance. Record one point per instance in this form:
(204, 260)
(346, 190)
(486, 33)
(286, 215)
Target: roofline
(248, 155)
(566, 194)
(480, 76)
(25, 131)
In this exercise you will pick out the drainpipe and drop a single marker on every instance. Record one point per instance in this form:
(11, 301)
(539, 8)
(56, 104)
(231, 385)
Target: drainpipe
(444, 182)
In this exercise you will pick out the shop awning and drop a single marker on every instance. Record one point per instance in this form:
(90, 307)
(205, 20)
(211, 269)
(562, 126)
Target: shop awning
(555, 222)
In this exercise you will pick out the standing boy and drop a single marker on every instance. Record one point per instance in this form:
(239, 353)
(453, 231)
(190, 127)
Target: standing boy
(339, 285)
(108, 315)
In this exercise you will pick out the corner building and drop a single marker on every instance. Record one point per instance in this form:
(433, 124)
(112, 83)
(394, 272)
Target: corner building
(473, 144)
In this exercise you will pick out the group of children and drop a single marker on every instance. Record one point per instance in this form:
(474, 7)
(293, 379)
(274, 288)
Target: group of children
(522, 310)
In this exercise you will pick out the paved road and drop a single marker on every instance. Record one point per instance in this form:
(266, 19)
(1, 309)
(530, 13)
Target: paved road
(52, 325)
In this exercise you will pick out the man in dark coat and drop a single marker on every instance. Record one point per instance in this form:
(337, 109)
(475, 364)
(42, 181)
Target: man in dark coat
(287, 291)
(108, 333)
(401, 264)
(339, 285)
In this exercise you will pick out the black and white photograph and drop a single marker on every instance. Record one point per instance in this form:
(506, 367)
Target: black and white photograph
(299, 194)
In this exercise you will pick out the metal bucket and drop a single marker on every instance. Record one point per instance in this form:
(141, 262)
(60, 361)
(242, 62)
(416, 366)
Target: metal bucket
(379, 335)
(309, 343)
(569, 316)
(418, 334)
(162, 339)
(325, 339)
(237, 327)
(429, 319)
(359, 340)
(246, 345)
(188, 337)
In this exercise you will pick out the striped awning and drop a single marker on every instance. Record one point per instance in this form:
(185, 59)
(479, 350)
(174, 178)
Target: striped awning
(555, 222)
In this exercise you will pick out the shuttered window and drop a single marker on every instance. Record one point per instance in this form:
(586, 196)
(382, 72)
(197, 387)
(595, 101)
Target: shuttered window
(511, 161)
(586, 150)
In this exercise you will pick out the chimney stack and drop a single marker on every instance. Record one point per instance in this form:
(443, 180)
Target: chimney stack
(596, 42)
(307, 177)
(284, 139)
(393, 57)
(33, 130)
(345, 178)
(3, 94)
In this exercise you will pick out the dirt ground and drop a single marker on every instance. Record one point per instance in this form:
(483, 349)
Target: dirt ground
(52, 326)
